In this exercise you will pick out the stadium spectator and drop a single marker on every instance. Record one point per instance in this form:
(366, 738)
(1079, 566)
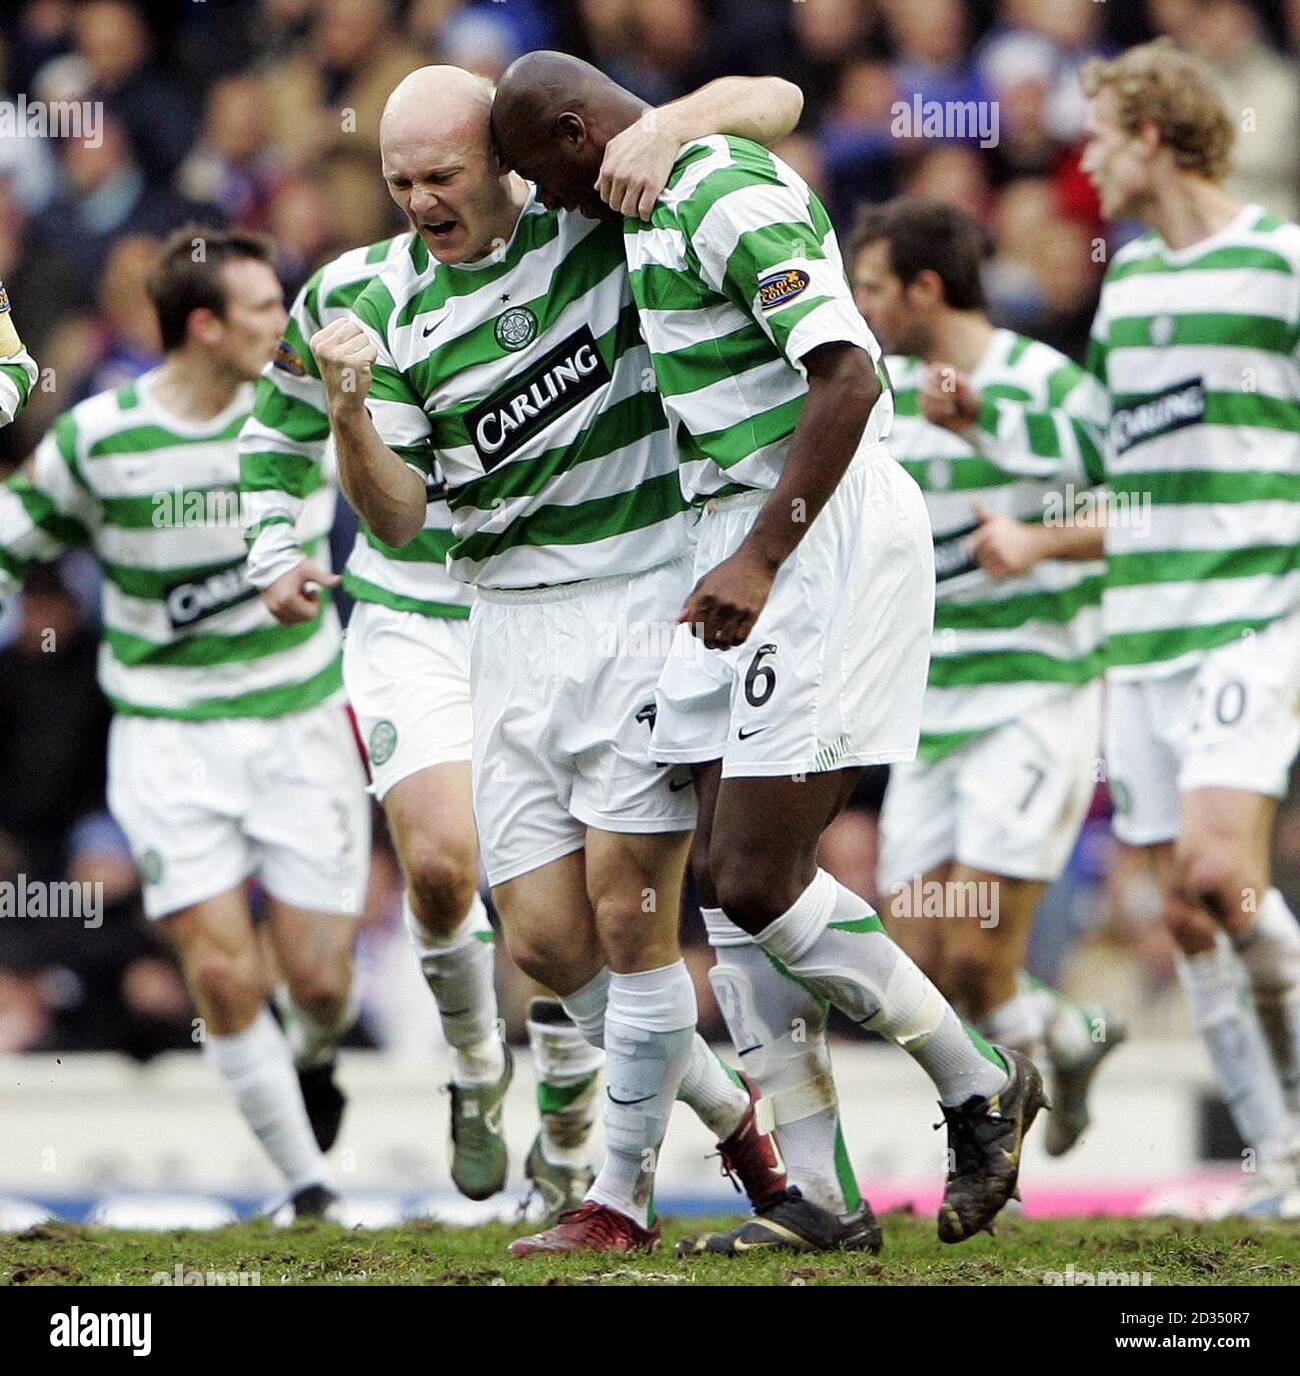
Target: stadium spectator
(232, 165)
(106, 195)
(125, 328)
(326, 95)
(1262, 89)
(113, 41)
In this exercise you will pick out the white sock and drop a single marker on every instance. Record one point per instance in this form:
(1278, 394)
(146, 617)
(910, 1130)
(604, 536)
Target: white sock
(833, 941)
(567, 1069)
(1018, 1023)
(586, 1006)
(649, 1026)
(314, 1041)
(1218, 990)
(1070, 1030)
(706, 1087)
(711, 1093)
(459, 970)
(1270, 951)
(257, 1066)
(779, 1031)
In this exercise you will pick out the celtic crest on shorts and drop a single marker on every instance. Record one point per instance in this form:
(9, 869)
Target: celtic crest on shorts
(150, 864)
(383, 741)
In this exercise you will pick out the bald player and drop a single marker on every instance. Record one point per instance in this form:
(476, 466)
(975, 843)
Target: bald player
(504, 344)
(814, 591)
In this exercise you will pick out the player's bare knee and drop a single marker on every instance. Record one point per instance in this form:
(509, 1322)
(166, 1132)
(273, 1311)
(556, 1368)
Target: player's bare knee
(227, 986)
(753, 893)
(442, 883)
(625, 929)
(323, 989)
(544, 959)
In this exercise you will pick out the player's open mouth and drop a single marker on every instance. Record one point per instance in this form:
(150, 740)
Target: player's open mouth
(441, 229)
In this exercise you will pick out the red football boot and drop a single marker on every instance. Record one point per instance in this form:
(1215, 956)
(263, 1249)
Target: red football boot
(751, 1157)
(591, 1228)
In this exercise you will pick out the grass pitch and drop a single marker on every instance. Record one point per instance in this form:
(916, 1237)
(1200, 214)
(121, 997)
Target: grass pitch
(1023, 1253)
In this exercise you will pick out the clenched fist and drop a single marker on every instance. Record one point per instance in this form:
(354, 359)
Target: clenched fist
(345, 355)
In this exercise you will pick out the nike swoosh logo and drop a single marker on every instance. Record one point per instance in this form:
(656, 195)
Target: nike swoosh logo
(644, 1099)
(677, 788)
(429, 329)
(744, 735)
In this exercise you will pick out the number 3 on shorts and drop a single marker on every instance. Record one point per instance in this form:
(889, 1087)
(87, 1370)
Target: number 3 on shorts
(760, 681)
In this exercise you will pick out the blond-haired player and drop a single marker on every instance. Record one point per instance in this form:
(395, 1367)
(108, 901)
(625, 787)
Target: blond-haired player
(1195, 340)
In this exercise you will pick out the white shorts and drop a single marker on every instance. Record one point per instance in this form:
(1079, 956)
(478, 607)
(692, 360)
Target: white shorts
(407, 678)
(564, 691)
(833, 674)
(207, 804)
(1231, 721)
(1010, 802)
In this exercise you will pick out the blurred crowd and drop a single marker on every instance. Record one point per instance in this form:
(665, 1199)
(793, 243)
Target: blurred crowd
(264, 114)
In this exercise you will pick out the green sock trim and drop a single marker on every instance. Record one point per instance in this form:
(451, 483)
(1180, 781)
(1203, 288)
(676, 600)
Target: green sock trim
(1042, 987)
(782, 969)
(989, 1053)
(732, 1074)
(870, 923)
(552, 1098)
(844, 1172)
(489, 937)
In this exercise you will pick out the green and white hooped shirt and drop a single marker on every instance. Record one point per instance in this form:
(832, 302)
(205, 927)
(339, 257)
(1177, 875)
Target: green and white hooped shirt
(18, 374)
(737, 276)
(157, 499)
(1004, 646)
(523, 380)
(1199, 350)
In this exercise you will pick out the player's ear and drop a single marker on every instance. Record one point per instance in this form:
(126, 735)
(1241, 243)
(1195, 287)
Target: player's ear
(572, 129)
(496, 157)
(926, 289)
(203, 325)
(1148, 136)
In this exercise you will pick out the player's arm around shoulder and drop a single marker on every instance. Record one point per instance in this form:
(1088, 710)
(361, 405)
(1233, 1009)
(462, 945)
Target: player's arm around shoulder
(639, 161)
